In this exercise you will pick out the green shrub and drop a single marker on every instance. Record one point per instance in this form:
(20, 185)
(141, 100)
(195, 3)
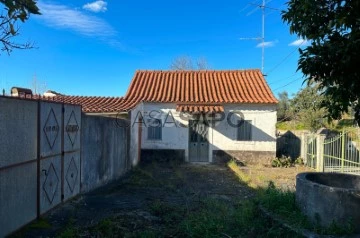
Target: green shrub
(282, 162)
(286, 162)
(299, 161)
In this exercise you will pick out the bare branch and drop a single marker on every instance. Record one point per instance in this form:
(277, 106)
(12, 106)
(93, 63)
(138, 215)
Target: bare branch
(182, 63)
(8, 32)
(186, 63)
(202, 64)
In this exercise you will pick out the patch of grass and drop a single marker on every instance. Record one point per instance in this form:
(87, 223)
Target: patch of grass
(175, 163)
(280, 202)
(211, 218)
(335, 229)
(261, 178)
(169, 214)
(69, 232)
(141, 178)
(40, 224)
(105, 227)
(179, 174)
(159, 208)
(198, 217)
(147, 234)
(243, 178)
(216, 218)
(283, 204)
(290, 125)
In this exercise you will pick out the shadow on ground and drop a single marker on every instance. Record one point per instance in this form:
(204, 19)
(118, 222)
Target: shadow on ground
(167, 200)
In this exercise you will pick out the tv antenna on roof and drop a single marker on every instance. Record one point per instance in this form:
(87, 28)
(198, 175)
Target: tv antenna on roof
(261, 6)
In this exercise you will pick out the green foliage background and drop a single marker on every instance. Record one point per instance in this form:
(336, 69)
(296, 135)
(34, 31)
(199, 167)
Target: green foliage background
(331, 61)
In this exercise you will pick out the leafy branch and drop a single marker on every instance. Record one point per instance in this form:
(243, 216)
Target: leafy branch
(16, 10)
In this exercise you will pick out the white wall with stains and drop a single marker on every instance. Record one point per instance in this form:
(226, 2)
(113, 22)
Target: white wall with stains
(222, 136)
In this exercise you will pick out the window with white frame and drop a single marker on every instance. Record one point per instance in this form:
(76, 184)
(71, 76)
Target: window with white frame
(244, 130)
(154, 129)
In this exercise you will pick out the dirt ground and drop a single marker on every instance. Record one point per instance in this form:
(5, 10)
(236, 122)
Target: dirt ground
(152, 196)
(259, 176)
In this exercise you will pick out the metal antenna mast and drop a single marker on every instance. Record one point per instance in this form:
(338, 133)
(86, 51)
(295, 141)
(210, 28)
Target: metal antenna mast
(262, 38)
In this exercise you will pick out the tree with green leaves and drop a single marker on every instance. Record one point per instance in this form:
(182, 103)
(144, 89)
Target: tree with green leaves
(283, 107)
(15, 10)
(306, 107)
(333, 28)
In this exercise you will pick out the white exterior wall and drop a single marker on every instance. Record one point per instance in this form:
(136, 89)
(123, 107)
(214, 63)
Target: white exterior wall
(173, 137)
(221, 137)
(224, 137)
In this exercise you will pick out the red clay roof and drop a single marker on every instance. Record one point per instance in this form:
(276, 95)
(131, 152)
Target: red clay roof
(191, 90)
(230, 86)
(196, 108)
(92, 104)
(88, 104)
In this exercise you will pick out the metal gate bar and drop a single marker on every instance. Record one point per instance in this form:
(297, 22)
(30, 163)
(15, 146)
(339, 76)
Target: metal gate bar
(339, 153)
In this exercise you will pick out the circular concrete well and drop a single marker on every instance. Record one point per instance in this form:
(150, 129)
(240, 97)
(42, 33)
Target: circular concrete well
(329, 197)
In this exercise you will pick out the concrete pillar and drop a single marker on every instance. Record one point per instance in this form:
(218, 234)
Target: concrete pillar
(320, 153)
(303, 146)
(210, 139)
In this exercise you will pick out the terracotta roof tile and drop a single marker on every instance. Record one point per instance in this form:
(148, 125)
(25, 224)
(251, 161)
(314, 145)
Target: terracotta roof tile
(88, 104)
(230, 86)
(197, 108)
(194, 90)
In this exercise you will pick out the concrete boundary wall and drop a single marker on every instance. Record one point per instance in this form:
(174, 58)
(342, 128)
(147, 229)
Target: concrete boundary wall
(49, 153)
(18, 163)
(104, 153)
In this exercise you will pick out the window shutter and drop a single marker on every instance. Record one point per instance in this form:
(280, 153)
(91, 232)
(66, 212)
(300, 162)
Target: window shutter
(244, 131)
(154, 129)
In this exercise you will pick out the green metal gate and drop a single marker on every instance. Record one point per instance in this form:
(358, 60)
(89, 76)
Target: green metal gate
(342, 153)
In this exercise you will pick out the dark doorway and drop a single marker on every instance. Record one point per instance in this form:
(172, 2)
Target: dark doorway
(198, 141)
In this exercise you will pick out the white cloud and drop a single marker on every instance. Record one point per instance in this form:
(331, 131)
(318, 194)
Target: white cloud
(64, 17)
(266, 44)
(97, 6)
(299, 42)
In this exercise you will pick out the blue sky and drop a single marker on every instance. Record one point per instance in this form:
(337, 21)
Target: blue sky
(93, 48)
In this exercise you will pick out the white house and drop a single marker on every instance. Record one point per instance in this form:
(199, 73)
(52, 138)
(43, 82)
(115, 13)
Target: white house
(196, 116)
(201, 116)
